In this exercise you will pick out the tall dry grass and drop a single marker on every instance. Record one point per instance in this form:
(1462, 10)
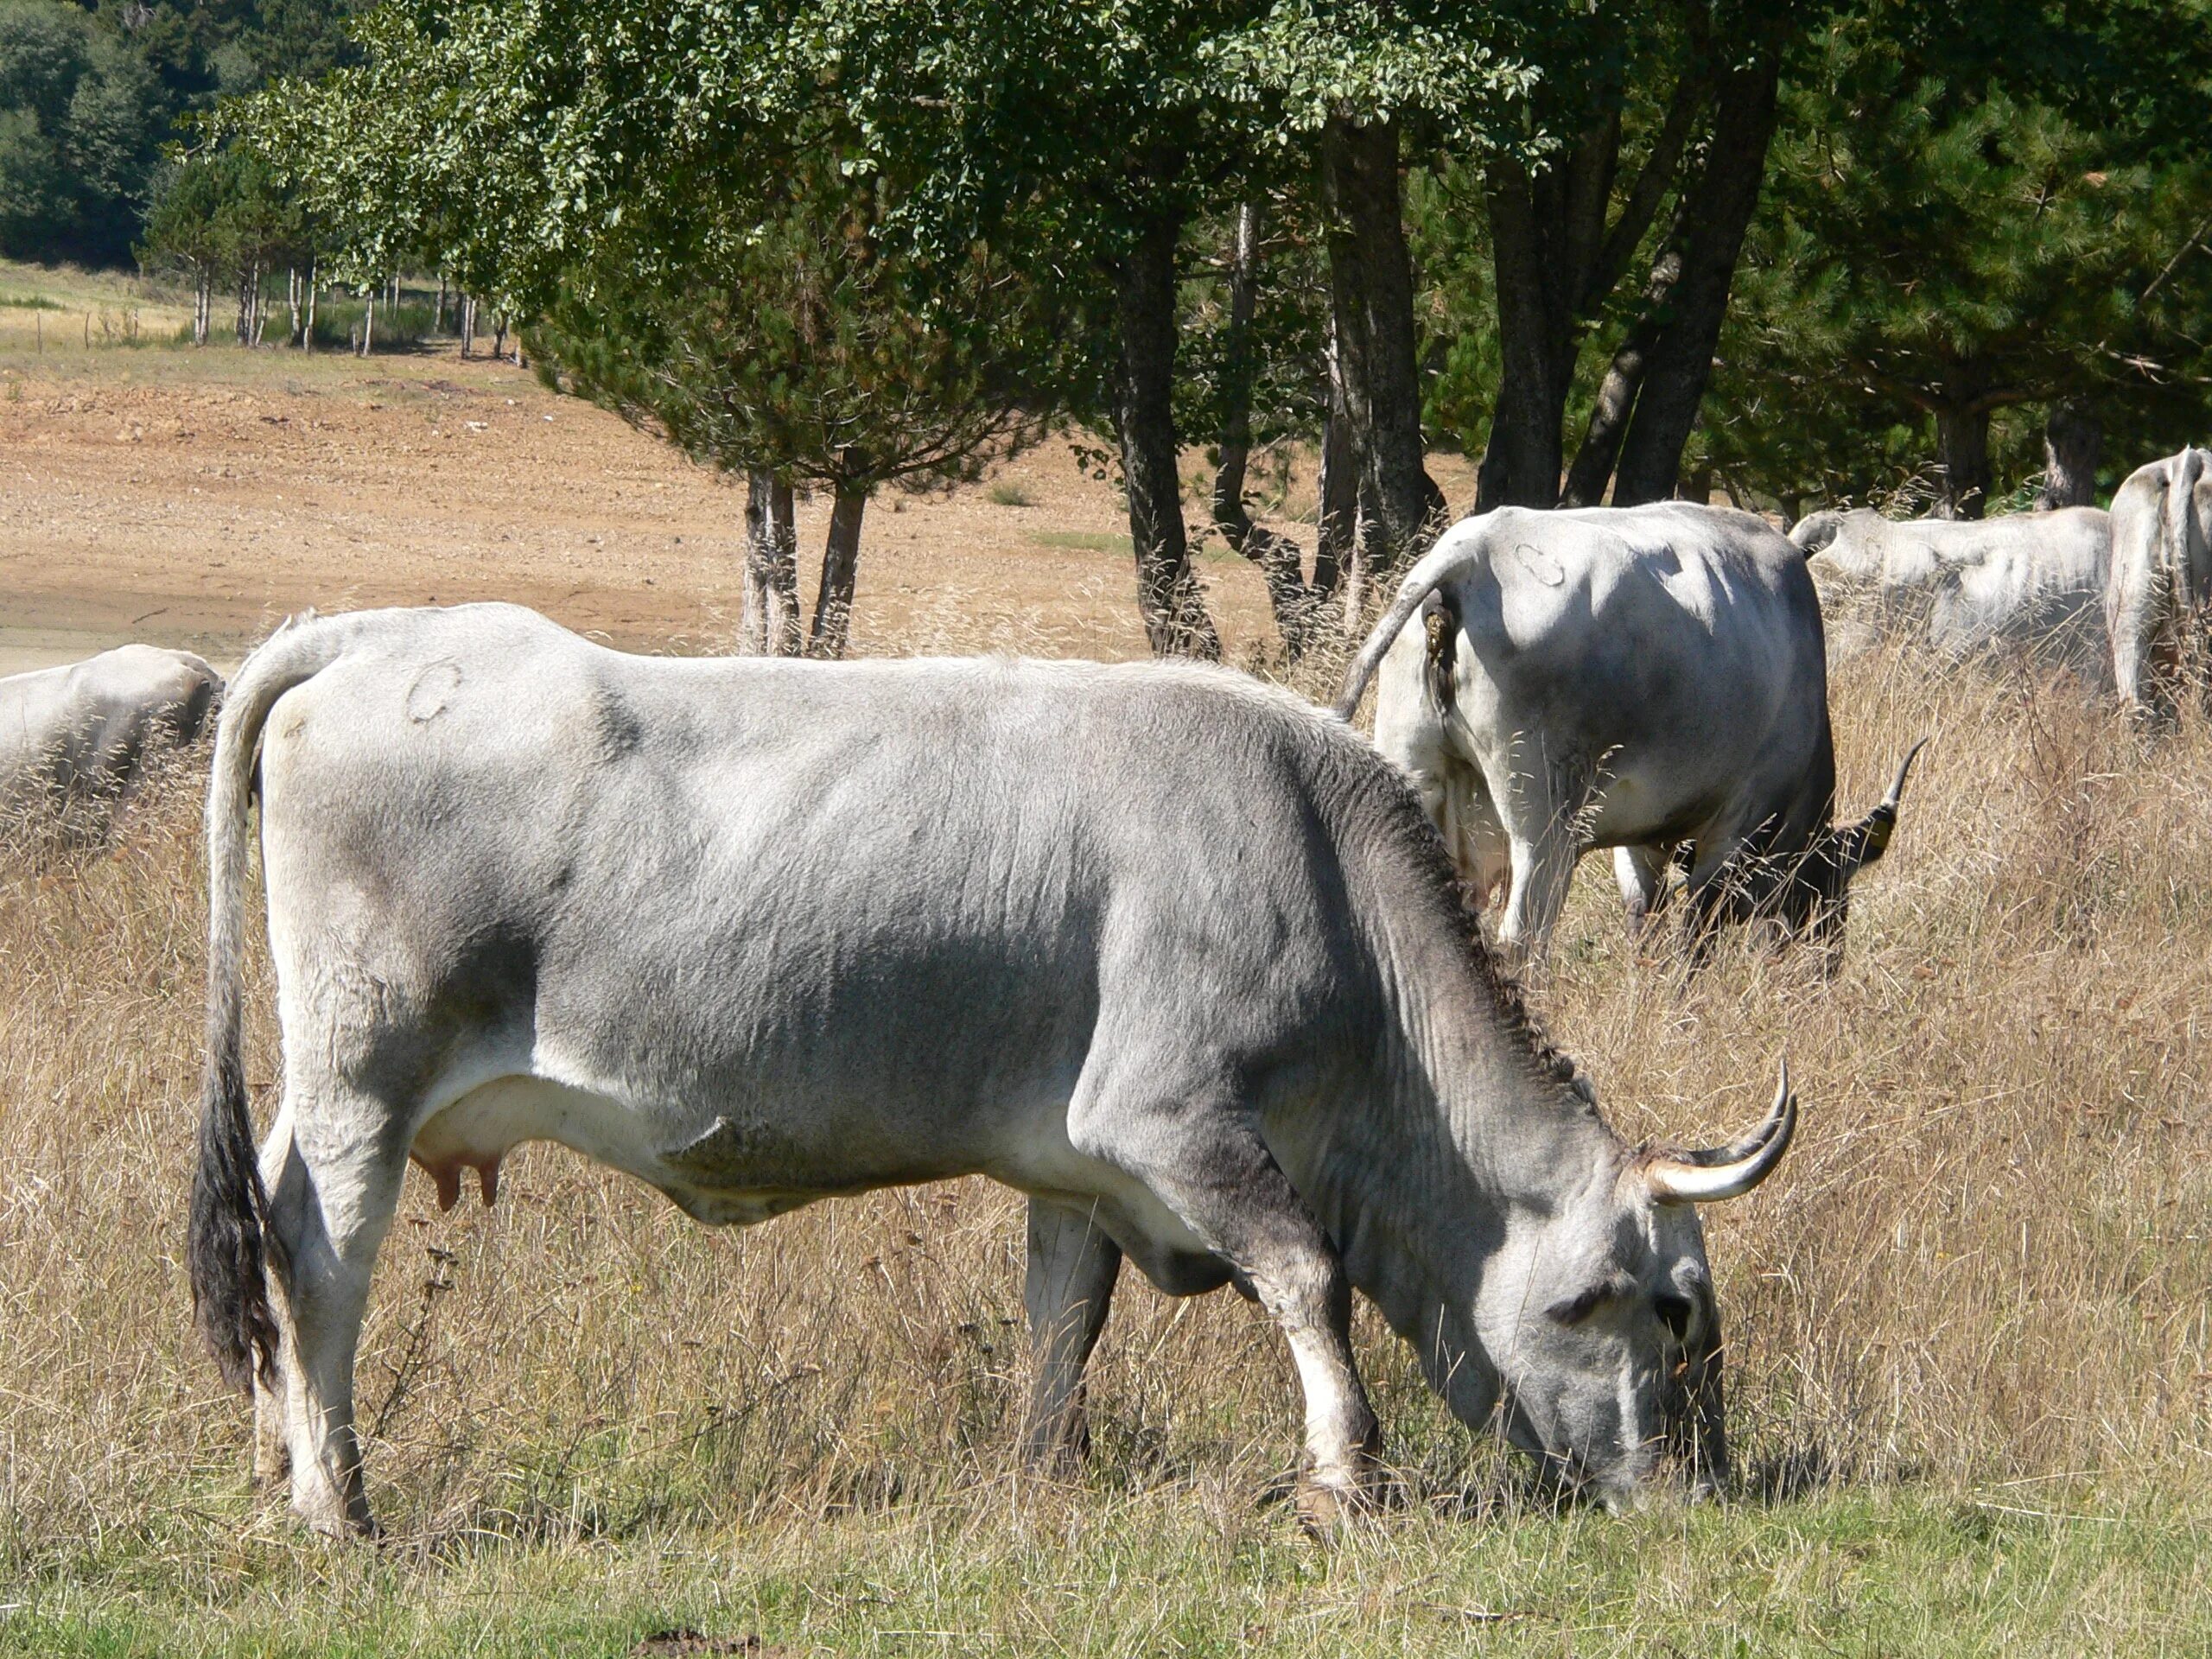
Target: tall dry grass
(1986, 1261)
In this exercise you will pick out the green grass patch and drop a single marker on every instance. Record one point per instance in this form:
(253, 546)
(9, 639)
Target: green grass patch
(1086, 541)
(1171, 1572)
(1009, 492)
(29, 302)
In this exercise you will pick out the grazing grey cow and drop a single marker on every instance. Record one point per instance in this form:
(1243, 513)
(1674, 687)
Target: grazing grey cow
(1644, 678)
(75, 741)
(2161, 582)
(1170, 952)
(2031, 580)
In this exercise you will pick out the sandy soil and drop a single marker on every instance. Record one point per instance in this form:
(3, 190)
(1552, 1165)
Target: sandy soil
(196, 498)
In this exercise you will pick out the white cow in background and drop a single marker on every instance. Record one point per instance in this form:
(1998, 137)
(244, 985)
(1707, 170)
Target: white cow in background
(1650, 679)
(2030, 581)
(2161, 577)
(75, 741)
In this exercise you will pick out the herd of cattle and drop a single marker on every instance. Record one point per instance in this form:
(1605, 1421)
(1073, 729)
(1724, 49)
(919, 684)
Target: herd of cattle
(760, 932)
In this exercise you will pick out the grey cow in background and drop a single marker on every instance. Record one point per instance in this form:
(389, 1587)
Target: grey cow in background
(75, 741)
(1170, 952)
(1647, 678)
(2160, 585)
(2034, 580)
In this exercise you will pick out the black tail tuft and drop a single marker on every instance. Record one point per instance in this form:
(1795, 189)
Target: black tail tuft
(227, 1251)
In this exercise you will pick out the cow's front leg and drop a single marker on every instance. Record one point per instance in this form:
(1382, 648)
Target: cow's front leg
(1068, 1287)
(1203, 1158)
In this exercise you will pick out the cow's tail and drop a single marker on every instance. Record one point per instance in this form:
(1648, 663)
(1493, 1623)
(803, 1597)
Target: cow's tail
(1816, 530)
(226, 1248)
(1437, 567)
(2176, 569)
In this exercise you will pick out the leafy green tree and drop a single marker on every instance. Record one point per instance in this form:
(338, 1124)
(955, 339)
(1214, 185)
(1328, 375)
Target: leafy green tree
(707, 248)
(81, 120)
(223, 216)
(1945, 252)
(794, 343)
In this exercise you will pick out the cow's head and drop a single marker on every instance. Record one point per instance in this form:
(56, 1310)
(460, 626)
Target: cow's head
(1818, 891)
(1601, 1319)
(1805, 888)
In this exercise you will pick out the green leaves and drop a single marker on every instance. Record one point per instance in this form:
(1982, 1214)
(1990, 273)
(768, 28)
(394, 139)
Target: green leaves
(1940, 235)
(82, 118)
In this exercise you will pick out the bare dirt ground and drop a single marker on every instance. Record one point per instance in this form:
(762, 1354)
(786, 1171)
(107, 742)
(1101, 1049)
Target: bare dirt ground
(194, 498)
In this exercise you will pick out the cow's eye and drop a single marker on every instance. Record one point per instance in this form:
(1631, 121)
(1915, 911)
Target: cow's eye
(1576, 1308)
(1677, 1311)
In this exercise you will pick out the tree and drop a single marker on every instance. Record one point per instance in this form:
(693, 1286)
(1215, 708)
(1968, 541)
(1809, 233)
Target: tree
(700, 239)
(803, 349)
(1944, 249)
(81, 120)
(1636, 152)
(224, 215)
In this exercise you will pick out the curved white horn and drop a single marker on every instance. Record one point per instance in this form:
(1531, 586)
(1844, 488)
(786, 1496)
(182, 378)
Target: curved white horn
(1675, 1176)
(1896, 797)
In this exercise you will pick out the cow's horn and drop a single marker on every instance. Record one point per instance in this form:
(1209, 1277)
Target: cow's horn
(1869, 838)
(1675, 1176)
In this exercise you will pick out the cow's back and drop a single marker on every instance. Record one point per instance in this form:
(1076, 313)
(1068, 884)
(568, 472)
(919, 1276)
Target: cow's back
(670, 877)
(86, 729)
(1615, 628)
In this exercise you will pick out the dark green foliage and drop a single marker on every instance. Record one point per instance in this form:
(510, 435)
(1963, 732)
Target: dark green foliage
(1943, 244)
(89, 97)
(797, 339)
(81, 120)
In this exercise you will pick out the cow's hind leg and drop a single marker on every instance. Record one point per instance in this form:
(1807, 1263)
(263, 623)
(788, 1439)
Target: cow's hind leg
(272, 1446)
(1070, 1285)
(331, 1202)
(1641, 875)
(1202, 1157)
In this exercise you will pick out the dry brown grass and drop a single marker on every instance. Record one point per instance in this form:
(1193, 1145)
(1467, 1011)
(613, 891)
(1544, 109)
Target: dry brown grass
(1986, 1261)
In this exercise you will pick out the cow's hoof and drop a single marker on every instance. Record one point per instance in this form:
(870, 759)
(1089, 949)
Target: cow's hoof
(340, 1525)
(1331, 1507)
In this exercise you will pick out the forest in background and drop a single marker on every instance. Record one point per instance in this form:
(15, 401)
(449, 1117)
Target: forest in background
(1822, 250)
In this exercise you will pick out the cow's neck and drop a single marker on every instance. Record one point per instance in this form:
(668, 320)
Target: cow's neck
(1456, 1127)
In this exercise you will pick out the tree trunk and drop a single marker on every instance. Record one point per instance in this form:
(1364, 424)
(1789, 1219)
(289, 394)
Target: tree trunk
(306, 338)
(438, 316)
(1557, 263)
(499, 335)
(468, 323)
(1371, 299)
(840, 558)
(1962, 458)
(1336, 505)
(1521, 463)
(1175, 619)
(2073, 439)
(1280, 564)
(771, 624)
(1616, 400)
(369, 325)
(249, 281)
(203, 301)
(1715, 213)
